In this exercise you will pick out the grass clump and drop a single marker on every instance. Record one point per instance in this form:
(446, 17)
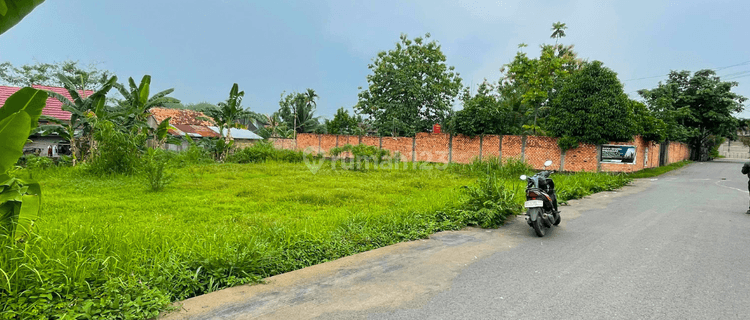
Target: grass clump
(653, 172)
(263, 151)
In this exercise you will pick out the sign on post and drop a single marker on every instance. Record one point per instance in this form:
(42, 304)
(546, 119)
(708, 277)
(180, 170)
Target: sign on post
(618, 154)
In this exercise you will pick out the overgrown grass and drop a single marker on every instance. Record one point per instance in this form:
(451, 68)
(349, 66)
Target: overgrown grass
(653, 172)
(108, 248)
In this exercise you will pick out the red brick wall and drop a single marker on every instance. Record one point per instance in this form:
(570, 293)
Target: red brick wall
(436, 148)
(490, 147)
(583, 158)
(465, 149)
(432, 147)
(399, 144)
(327, 141)
(511, 147)
(677, 152)
(540, 149)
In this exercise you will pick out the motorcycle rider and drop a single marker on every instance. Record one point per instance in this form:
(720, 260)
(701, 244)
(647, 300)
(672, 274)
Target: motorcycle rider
(746, 170)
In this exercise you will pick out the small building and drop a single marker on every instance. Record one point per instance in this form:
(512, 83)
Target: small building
(243, 138)
(50, 145)
(190, 123)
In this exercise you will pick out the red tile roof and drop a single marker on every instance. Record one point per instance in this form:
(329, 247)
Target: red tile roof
(54, 106)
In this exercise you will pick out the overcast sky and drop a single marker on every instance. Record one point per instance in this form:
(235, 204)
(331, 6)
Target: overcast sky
(201, 47)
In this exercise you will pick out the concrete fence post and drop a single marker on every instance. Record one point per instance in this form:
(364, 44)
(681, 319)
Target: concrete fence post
(450, 148)
(500, 150)
(414, 149)
(562, 160)
(381, 142)
(598, 158)
(337, 140)
(320, 142)
(481, 141)
(523, 148)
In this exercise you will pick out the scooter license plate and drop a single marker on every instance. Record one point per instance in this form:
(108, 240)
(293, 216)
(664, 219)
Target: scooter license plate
(533, 204)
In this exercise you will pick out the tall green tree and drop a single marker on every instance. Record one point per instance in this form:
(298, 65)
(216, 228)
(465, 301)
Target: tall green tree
(410, 88)
(590, 106)
(297, 111)
(489, 111)
(344, 123)
(696, 108)
(537, 77)
(85, 77)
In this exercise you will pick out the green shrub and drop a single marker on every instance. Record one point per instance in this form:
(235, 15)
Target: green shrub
(363, 155)
(263, 151)
(490, 202)
(155, 168)
(116, 152)
(36, 162)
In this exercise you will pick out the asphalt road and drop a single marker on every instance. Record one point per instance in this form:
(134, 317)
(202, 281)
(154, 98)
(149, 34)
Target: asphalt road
(677, 247)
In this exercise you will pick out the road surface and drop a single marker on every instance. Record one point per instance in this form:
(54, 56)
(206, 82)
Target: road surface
(674, 247)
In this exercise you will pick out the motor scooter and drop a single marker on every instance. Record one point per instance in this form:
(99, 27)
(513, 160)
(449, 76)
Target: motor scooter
(541, 201)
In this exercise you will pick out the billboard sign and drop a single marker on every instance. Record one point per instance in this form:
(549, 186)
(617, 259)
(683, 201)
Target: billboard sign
(618, 154)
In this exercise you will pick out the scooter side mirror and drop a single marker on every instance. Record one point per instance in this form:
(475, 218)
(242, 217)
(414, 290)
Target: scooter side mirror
(523, 177)
(548, 163)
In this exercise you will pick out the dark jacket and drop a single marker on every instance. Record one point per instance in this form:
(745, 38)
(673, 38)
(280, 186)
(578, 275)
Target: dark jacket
(746, 168)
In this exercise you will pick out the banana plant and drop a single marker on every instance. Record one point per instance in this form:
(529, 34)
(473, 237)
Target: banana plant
(83, 109)
(134, 109)
(12, 11)
(20, 200)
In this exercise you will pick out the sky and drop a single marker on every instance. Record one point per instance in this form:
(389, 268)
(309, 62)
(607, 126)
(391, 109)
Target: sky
(200, 48)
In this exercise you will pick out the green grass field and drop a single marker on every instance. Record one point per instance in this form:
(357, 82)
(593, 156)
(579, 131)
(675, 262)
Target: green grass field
(107, 247)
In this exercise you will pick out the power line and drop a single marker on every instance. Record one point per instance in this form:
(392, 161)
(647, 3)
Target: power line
(716, 69)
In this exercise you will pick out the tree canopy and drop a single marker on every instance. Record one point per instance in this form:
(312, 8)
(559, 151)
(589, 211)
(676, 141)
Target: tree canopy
(84, 77)
(590, 106)
(696, 108)
(343, 123)
(490, 111)
(297, 111)
(410, 88)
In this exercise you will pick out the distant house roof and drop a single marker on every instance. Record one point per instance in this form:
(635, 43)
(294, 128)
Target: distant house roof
(181, 116)
(185, 122)
(240, 134)
(54, 106)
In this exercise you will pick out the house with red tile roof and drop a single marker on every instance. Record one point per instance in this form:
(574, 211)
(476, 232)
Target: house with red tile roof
(196, 125)
(52, 109)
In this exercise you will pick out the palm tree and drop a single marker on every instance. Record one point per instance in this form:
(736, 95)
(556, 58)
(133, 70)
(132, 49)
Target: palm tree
(84, 111)
(558, 29)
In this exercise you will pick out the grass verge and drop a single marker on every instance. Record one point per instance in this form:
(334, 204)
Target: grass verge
(653, 172)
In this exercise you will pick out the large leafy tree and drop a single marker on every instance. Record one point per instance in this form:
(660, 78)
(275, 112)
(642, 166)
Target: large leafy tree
(410, 88)
(536, 78)
(489, 111)
(85, 77)
(297, 111)
(696, 108)
(590, 106)
(85, 110)
(344, 123)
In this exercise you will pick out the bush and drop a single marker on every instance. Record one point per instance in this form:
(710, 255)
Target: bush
(154, 168)
(263, 151)
(117, 152)
(193, 155)
(490, 202)
(363, 154)
(36, 162)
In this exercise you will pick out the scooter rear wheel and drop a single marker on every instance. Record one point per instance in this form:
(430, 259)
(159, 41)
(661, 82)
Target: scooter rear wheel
(538, 227)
